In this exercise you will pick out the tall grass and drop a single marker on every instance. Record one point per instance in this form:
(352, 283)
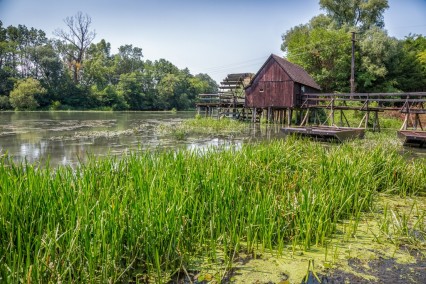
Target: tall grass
(150, 213)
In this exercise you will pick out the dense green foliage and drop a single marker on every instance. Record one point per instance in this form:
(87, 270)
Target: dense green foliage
(23, 96)
(77, 73)
(356, 13)
(116, 220)
(383, 64)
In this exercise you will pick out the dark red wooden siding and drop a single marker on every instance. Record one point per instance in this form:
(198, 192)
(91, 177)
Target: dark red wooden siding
(277, 86)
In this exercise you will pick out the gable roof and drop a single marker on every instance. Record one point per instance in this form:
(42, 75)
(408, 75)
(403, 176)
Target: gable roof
(296, 73)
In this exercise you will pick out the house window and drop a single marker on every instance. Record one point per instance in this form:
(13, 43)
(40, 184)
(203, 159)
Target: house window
(303, 89)
(261, 90)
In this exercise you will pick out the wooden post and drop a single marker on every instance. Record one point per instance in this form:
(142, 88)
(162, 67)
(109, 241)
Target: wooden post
(376, 124)
(404, 124)
(419, 121)
(352, 81)
(367, 117)
(305, 119)
(416, 118)
(289, 116)
(269, 114)
(362, 120)
(347, 122)
(284, 115)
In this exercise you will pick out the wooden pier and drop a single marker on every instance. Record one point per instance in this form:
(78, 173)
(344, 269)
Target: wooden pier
(413, 138)
(229, 101)
(411, 105)
(283, 93)
(324, 133)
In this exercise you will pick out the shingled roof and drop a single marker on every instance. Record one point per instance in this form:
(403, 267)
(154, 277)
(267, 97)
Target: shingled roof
(296, 73)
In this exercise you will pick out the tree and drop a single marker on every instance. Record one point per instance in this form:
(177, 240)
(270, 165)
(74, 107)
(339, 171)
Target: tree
(130, 87)
(383, 64)
(379, 52)
(209, 85)
(356, 13)
(323, 52)
(108, 97)
(411, 68)
(77, 40)
(48, 67)
(128, 59)
(23, 95)
(99, 66)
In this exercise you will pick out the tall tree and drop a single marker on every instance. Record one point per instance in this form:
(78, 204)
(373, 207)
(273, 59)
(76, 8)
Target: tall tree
(7, 68)
(379, 52)
(128, 59)
(324, 53)
(356, 13)
(99, 65)
(77, 40)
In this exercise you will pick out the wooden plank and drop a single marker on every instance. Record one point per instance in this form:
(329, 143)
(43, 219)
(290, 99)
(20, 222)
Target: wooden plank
(340, 134)
(412, 138)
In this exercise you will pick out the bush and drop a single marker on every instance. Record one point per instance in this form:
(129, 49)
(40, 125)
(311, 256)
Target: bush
(23, 94)
(4, 103)
(56, 105)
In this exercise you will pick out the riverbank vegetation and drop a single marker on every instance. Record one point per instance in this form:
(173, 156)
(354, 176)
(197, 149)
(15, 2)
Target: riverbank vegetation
(72, 71)
(149, 215)
(204, 126)
(323, 47)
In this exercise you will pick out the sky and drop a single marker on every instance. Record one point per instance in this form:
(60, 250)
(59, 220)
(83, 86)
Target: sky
(216, 37)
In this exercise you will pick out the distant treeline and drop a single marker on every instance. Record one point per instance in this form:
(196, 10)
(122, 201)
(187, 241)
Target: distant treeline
(72, 72)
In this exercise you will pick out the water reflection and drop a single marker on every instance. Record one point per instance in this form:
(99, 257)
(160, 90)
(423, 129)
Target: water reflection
(65, 138)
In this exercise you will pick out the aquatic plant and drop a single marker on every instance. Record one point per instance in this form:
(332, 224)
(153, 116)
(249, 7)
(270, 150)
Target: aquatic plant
(151, 214)
(201, 126)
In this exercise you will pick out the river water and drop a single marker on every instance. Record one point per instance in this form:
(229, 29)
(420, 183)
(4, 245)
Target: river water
(65, 138)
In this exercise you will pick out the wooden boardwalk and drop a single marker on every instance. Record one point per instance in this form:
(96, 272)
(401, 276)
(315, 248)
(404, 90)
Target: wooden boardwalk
(229, 101)
(411, 105)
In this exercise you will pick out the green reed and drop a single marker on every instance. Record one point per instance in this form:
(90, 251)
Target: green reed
(151, 213)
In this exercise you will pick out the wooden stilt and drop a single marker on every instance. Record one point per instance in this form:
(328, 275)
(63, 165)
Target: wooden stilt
(404, 124)
(419, 121)
(269, 114)
(289, 116)
(305, 119)
(284, 116)
(367, 118)
(376, 123)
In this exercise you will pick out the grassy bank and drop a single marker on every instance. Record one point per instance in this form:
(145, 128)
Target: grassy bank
(152, 214)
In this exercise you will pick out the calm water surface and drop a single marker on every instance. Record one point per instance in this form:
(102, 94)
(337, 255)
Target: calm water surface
(69, 137)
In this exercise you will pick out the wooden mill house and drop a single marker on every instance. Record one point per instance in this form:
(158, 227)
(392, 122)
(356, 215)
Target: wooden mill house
(277, 89)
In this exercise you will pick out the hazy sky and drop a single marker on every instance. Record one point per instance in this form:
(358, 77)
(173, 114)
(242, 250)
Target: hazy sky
(216, 37)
